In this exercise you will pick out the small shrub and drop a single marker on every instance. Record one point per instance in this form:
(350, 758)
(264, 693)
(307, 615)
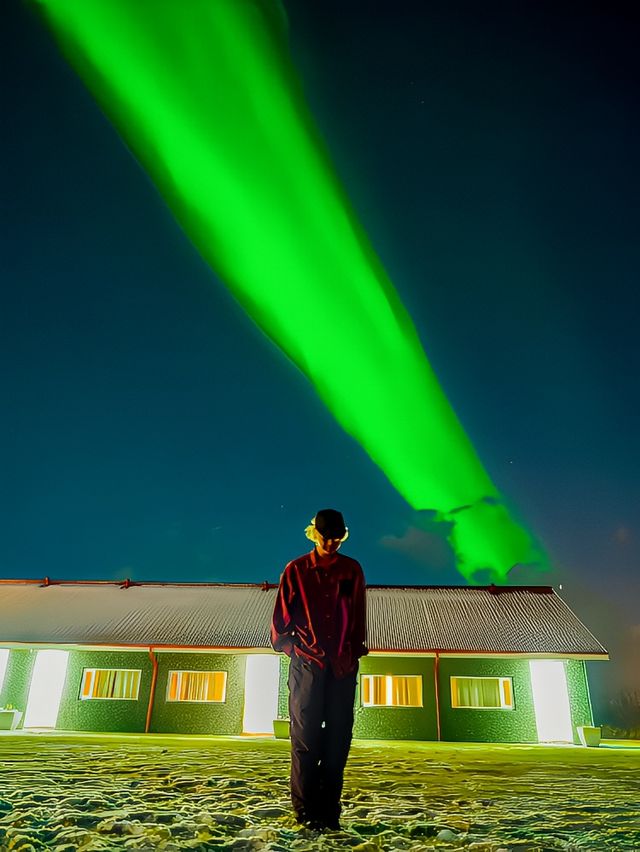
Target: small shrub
(624, 714)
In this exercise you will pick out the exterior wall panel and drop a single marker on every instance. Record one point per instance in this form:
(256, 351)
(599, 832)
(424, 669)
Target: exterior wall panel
(104, 714)
(579, 702)
(500, 726)
(17, 679)
(200, 718)
(283, 689)
(401, 723)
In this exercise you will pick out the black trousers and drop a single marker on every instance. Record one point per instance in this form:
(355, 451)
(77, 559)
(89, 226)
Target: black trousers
(319, 752)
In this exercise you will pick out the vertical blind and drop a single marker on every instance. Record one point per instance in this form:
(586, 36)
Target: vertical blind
(196, 686)
(391, 690)
(123, 684)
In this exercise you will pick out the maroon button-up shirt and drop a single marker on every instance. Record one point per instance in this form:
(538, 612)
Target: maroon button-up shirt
(320, 612)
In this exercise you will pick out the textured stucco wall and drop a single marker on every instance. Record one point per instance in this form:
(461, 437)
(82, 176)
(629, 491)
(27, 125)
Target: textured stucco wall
(402, 723)
(579, 701)
(104, 714)
(516, 725)
(188, 718)
(17, 679)
(406, 723)
(507, 726)
(283, 689)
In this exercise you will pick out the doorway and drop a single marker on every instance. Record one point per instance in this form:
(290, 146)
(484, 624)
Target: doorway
(45, 692)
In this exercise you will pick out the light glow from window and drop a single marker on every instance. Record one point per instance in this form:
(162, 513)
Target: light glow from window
(391, 690)
(197, 687)
(4, 661)
(482, 693)
(45, 692)
(110, 684)
(261, 680)
(551, 701)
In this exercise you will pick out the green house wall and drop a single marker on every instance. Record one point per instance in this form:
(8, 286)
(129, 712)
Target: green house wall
(506, 726)
(283, 689)
(457, 724)
(579, 699)
(402, 723)
(17, 679)
(194, 718)
(104, 714)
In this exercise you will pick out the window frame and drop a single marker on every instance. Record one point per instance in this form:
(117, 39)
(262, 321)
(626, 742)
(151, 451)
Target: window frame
(389, 686)
(93, 670)
(223, 700)
(502, 679)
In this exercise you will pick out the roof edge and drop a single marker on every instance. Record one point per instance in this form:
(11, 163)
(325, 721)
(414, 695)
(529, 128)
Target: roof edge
(45, 582)
(264, 649)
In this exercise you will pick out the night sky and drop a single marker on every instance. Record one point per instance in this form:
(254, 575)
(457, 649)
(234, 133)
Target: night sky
(150, 430)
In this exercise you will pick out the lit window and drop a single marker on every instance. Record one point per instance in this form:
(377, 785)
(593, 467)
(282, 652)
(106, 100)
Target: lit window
(110, 684)
(197, 686)
(391, 690)
(482, 693)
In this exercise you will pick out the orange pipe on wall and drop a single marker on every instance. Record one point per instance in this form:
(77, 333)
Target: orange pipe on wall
(436, 673)
(152, 691)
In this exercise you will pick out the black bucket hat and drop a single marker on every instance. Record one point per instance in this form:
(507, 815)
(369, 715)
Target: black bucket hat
(330, 523)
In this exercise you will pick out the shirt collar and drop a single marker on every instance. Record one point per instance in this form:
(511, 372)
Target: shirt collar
(315, 561)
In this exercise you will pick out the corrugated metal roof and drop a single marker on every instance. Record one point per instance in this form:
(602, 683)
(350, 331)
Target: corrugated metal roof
(493, 620)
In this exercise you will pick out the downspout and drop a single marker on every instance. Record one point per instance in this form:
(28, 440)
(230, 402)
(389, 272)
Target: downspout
(152, 691)
(436, 673)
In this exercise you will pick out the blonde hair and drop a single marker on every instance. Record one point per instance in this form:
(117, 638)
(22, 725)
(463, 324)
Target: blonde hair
(313, 535)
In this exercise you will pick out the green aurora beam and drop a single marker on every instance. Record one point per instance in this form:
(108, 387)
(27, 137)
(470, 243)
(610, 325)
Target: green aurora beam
(205, 95)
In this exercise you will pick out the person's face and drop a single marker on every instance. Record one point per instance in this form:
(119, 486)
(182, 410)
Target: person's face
(328, 546)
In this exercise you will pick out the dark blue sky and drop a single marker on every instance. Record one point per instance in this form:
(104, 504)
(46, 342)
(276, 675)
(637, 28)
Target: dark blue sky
(150, 430)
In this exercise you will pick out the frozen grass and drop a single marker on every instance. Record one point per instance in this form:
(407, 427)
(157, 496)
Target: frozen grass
(107, 792)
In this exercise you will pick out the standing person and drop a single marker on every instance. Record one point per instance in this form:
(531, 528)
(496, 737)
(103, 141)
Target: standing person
(319, 621)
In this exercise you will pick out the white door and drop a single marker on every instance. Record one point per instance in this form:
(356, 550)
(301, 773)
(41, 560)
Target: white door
(45, 692)
(551, 701)
(261, 693)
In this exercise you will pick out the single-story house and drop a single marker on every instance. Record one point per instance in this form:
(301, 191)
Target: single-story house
(465, 663)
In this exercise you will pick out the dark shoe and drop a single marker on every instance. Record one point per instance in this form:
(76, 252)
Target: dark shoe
(306, 821)
(332, 824)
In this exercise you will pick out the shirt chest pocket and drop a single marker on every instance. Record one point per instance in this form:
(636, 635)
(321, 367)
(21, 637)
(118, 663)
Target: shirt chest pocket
(345, 588)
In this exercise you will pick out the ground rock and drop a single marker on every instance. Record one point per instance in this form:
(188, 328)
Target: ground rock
(267, 835)
(269, 812)
(447, 835)
(230, 820)
(369, 827)
(122, 827)
(179, 829)
(167, 817)
(422, 829)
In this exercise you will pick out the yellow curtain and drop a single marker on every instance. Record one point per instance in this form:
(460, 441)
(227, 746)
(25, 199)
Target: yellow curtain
(477, 692)
(197, 686)
(111, 683)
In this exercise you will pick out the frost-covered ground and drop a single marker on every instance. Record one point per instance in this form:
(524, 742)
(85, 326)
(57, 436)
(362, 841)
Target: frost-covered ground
(174, 793)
